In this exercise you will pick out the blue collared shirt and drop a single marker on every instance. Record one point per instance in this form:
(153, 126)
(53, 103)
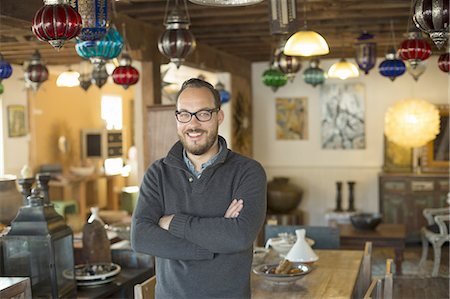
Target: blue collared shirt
(191, 166)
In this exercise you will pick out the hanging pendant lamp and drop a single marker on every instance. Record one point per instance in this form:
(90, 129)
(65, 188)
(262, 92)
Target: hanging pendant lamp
(68, 78)
(366, 52)
(444, 62)
(5, 68)
(177, 42)
(56, 22)
(95, 16)
(36, 72)
(282, 16)
(414, 49)
(224, 94)
(274, 78)
(392, 67)
(227, 2)
(432, 17)
(417, 70)
(99, 74)
(343, 70)
(288, 65)
(125, 74)
(85, 74)
(314, 75)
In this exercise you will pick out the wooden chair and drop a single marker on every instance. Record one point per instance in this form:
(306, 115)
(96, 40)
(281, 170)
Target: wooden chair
(381, 288)
(325, 237)
(435, 233)
(365, 272)
(146, 289)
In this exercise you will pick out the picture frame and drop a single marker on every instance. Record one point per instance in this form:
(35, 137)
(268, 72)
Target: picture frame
(291, 116)
(16, 121)
(435, 154)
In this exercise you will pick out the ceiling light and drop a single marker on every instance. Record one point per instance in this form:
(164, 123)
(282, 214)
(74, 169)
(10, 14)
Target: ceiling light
(343, 70)
(306, 43)
(68, 79)
(226, 2)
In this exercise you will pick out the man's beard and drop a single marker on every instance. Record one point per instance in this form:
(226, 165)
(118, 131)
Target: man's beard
(196, 148)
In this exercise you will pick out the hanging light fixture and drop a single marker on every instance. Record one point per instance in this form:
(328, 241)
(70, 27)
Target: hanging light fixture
(392, 67)
(282, 16)
(314, 75)
(125, 74)
(99, 74)
(444, 62)
(432, 17)
(85, 78)
(417, 70)
(68, 78)
(36, 72)
(366, 52)
(288, 65)
(274, 78)
(176, 42)
(94, 14)
(5, 68)
(107, 48)
(306, 42)
(56, 22)
(226, 2)
(2, 88)
(343, 70)
(224, 94)
(414, 49)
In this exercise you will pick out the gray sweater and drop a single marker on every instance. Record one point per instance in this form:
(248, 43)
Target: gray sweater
(203, 255)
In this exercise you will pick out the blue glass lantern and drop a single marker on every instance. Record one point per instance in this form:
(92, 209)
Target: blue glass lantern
(94, 14)
(5, 69)
(314, 75)
(366, 52)
(224, 94)
(392, 67)
(107, 48)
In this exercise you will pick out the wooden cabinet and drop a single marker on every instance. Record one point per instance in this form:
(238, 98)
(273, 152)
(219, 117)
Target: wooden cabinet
(404, 196)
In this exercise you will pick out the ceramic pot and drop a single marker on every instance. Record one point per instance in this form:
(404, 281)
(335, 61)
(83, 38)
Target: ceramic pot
(283, 196)
(10, 199)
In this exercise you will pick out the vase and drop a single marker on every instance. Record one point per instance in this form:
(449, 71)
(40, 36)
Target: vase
(283, 196)
(10, 199)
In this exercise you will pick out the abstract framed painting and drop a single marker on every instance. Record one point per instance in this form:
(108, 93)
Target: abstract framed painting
(291, 118)
(16, 121)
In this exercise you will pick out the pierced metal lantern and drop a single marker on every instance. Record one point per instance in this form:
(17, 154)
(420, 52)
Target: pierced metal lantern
(274, 78)
(414, 49)
(444, 62)
(366, 52)
(224, 94)
(85, 75)
(417, 70)
(314, 75)
(176, 42)
(95, 19)
(56, 22)
(36, 72)
(432, 17)
(282, 16)
(288, 65)
(107, 48)
(99, 74)
(5, 69)
(392, 67)
(125, 74)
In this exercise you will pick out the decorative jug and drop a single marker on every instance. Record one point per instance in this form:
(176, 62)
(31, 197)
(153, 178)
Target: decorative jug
(301, 251)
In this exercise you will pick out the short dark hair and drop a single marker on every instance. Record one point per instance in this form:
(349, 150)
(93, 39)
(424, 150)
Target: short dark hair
(199, 83)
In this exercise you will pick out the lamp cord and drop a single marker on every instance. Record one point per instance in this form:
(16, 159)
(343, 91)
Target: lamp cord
(304, 15)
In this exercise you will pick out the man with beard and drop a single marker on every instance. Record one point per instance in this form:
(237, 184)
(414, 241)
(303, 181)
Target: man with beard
(200, 208)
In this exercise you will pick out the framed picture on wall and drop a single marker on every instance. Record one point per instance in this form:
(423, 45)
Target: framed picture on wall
(16, 121)
(435, 155)
(292, 118)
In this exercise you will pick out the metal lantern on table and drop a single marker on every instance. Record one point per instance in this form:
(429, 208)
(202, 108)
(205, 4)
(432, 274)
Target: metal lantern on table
(125, 74)
(444, 62)
(432, 17)
(36, 72)
(95, 19)
(414, 49)
(56, 22)
(40, 246)
(392, 67)
(366, 52)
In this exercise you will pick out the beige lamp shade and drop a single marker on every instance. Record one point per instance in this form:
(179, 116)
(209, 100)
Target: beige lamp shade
(306, 43)
(411, 123)
(68, 79)
(343, 70)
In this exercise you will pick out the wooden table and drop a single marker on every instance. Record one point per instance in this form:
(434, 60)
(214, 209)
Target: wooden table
(334, 275)
(385, 235)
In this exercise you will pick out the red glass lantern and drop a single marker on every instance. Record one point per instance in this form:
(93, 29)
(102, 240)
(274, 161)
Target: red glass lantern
(444, 62)
(56, 22)
(125, 74)
(414, 49)
(36, 72)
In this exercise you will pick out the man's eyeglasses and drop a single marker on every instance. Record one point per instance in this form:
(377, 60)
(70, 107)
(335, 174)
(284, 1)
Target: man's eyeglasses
(201, 115)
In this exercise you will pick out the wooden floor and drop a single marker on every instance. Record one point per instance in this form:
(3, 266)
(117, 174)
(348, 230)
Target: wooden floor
(415, 282)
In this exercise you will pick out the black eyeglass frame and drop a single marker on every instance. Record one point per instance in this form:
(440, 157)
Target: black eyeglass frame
(195, 114)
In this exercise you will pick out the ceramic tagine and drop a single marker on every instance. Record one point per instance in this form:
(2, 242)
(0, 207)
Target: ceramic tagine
(301, 251)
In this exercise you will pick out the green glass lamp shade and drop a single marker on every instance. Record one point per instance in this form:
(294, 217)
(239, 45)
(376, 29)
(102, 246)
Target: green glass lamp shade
(274, 79)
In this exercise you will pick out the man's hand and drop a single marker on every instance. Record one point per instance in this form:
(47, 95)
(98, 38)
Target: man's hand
(164, 221)
(234, 209)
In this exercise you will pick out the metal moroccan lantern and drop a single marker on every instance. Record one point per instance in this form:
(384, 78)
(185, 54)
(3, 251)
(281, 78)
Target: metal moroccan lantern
(125, 74)
(40, 246)
(282, 16)
(274, 78)
(85, 74)
(417, 70)
(224, 94)
(314, 75)
(176, 42)
(107, 48)
(366, 52)
(95, 19)
(99, 74)
(56, 22)
(5, 68)
(444, 62)
(414, 49)
(392, 67)
(432, 17)
(36, 72)
(288, 65)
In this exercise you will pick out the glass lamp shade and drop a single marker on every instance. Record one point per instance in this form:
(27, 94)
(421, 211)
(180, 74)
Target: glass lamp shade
(36, 73)
(411, 123)
(224, 94)
(125, 74)
(417, 70)
(414, 49)
(432, 17)
(306, 43)
(343, 70)
(68, 79)
(94, 14)
(392, 67)
(289, 65)
(274, 78)
(366, 52)
(99, 74)
(5, 69)
(444, 62)
(314, 75)
(107, 48)
(226, 2)
(56, 22)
